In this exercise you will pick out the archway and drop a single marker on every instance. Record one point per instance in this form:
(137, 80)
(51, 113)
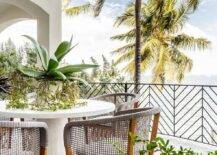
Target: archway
(46, 13)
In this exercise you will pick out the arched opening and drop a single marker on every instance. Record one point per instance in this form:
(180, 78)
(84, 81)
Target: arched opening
(13, 12)
(16, 30)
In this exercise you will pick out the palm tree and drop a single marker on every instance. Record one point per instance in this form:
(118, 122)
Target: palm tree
(96, 9)
(162, 42)
(137, 61)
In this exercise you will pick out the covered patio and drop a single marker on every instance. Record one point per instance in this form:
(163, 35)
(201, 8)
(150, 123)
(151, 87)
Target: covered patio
(108, 114)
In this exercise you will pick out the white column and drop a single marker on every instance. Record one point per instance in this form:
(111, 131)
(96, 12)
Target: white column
(55, 135)
(43, 33)
(54, 9)
(55, 23)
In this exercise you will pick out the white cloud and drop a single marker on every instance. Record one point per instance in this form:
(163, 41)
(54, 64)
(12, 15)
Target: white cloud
(204, 62)
(92, 34)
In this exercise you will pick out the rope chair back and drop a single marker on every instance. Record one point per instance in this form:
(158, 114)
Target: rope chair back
(123, 101)
(23, 138)
(111, 136)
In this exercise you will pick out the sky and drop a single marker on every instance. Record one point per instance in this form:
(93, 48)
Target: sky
(93, 34)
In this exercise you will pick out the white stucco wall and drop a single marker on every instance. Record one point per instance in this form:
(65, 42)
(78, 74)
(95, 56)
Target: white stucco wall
(48, 14)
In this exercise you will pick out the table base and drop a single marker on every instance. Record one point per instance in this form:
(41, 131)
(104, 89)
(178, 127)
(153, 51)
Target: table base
(55, 135)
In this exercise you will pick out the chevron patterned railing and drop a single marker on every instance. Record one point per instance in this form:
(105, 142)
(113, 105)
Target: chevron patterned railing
(188, 111)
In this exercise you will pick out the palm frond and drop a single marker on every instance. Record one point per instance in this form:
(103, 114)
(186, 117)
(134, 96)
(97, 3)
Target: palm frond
(146, 59)
(123, 49)
(128, 17)
(180, 18)
(128, 36)
(73, 11)
(188, 42)
(97, 7)
(193, 4)
(180, 62)
(128, 55)
(159, 69)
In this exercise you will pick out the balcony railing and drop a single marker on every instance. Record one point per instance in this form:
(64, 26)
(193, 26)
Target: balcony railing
(188, 111)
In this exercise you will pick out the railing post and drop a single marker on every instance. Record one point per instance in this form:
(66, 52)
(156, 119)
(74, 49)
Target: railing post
(174, 110)
(202, 111)
(126, 88)
(149, 95)
(126, 91)
(103, 88)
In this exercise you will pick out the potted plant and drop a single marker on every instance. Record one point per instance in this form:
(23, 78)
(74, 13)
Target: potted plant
(51, 86)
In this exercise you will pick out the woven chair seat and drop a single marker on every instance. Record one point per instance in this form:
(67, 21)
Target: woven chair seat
(22, 138)
(108, 136)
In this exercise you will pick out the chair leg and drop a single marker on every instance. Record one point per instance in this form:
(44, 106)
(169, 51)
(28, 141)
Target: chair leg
(154, 129)
(132, 127)
(69, 151)
(43, 151)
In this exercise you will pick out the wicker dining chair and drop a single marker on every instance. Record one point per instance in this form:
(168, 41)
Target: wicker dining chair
(122, 101)
(23, 138)
(110, 136)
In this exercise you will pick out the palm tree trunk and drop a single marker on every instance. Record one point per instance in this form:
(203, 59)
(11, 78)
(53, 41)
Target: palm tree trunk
(137, 76)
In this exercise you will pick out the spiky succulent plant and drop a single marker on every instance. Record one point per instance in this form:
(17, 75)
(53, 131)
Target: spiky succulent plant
(50, 63)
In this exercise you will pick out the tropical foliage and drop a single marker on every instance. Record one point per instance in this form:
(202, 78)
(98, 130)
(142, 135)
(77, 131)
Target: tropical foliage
(163, 45)
(108, 72)
(9, 58)
(50, 64)
(41, 86)
(162, 41)
(158, 146)
(94, 8)
(31, 55)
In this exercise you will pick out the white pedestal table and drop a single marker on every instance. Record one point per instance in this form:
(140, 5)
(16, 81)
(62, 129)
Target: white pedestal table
(57, 120)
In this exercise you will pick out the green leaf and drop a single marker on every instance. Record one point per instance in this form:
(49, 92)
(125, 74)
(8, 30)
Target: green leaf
(76, 68)
(72, 11)
(63, 49)
(42, 52)
(30, 72)
(53, 63)
(151, 146)
(55, 74)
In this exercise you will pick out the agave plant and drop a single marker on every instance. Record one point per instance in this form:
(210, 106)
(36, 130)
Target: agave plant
(50, 64)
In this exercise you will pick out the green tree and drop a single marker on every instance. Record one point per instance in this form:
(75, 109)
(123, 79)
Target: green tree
(162, 42)
(9, 58)
(108, 72)
(31, 55)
